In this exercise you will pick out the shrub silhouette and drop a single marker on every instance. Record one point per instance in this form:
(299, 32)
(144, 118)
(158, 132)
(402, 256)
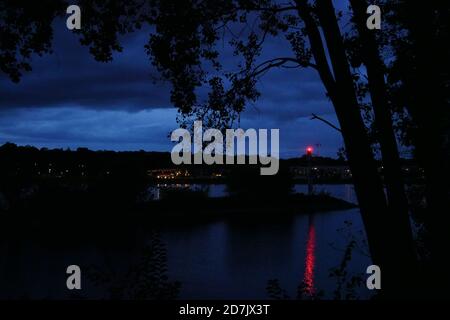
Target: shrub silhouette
(147, 280)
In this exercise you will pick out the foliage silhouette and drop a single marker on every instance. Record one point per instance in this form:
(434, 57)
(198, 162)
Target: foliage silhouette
(144, 281)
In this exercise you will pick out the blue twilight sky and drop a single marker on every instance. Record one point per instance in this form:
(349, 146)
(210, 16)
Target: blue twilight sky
(70, 100)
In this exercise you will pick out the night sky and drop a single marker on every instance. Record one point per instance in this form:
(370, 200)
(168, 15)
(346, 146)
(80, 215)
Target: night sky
(69, 100)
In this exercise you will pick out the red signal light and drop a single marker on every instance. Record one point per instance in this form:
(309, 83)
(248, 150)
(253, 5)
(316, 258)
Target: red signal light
(309, 150)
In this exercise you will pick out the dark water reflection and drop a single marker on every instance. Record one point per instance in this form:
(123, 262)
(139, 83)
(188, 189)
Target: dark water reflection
(235, 260)
(223, 259)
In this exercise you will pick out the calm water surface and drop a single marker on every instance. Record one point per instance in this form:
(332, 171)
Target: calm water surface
(218, 260)
(235, 260)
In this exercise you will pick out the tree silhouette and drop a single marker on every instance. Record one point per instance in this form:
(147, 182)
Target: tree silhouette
(182, 50)
(25, 29)
(185, 41)
(419, 84)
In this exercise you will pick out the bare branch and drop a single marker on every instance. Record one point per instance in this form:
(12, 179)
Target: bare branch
(276, 62)
(314, 116)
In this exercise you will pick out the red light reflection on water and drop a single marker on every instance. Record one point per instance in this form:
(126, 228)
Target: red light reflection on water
(310, 260)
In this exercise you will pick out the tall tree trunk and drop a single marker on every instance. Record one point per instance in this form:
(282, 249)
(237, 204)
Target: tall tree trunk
(397, 201)
(382, 233)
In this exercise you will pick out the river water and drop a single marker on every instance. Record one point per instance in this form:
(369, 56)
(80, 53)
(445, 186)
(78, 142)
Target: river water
(216, 260)
(234, 260)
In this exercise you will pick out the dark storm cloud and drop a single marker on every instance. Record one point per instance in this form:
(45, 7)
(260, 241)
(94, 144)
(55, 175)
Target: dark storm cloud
(71, 76)
(74, 127)
(69, 127)
(291, 94)
(70, 100)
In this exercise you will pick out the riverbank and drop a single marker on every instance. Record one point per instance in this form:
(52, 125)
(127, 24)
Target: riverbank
(65, 214)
